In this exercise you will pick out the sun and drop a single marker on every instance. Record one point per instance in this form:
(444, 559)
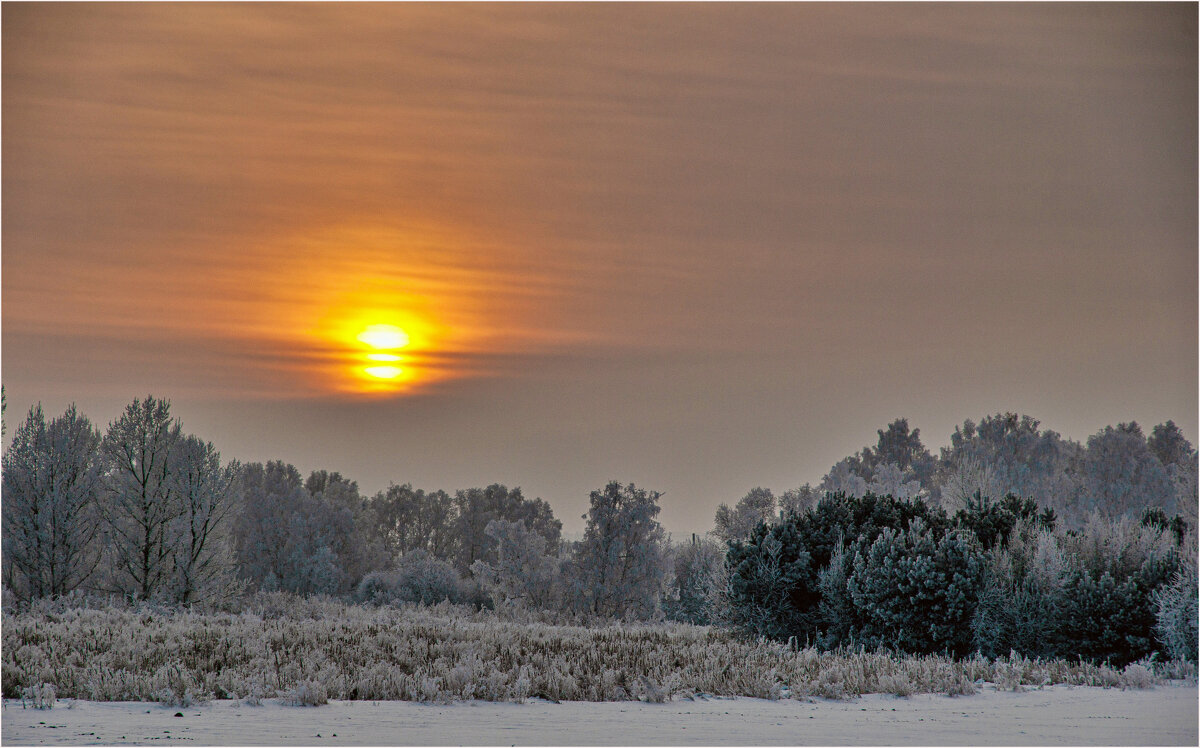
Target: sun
(384, 341)
(380, 350)
(383, 337)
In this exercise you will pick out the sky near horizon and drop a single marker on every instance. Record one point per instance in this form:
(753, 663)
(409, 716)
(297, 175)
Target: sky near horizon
(701, 247)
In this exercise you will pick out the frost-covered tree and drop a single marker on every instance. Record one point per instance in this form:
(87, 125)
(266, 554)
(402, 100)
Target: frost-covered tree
(290, 540)
(476, 507)
(1107, 606)
(773, 586)
(903, 448)
(523, 574)
(404, 520)
(208, 494)
(141, 502)
(352, 543)
(968, 477)
(897, 446)
(891, 480)
(798, 499)
(1169, 445)
(769, 590)
(1179, 459)
(1176, 623)
(1021, 601)
(1122, 474)
(1007, 453)
(335, 489)
(695, 589)
(269, 493)
(842, 479)
(50, 481)
(755, 508)
(619, 567)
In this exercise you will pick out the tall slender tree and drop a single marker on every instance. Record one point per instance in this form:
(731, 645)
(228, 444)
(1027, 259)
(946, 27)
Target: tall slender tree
(207, 492)
(50, 479)
(141, 502)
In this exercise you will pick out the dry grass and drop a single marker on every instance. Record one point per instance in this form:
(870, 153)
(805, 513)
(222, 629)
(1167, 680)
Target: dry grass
(306, 652)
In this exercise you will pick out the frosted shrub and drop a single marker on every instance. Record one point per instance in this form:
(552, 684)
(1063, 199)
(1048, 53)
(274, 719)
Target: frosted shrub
(175, 686)
(1137, 676)
(255, 694)
(899, 685)
(649, 691)
(1009, 674)
(417, 577)
(960, 685)
(41, 696)
(308, 693)
(1176, 619)
(830, 684)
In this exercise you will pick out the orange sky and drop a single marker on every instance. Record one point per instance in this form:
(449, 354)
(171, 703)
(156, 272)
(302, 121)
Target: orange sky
(703, 247)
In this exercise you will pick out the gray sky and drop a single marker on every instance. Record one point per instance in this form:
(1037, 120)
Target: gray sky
(699, 247)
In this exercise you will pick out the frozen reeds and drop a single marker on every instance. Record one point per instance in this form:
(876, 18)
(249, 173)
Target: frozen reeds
(308, 651)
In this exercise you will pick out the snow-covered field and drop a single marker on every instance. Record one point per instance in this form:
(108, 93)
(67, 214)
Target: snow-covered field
(1057, 715)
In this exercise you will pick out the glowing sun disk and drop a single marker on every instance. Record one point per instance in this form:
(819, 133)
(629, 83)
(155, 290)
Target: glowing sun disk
(382, 357)
(383, 336)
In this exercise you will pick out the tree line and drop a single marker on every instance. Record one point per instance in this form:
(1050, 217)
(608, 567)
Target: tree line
(150, 512)
(894, 548)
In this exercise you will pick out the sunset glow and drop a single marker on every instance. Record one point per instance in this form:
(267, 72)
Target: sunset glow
(706, 246)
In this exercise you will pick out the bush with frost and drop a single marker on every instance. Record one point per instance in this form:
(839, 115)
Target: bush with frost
(417, 577)
(1176, 620)
(448, 653)
(307, 693)
(40, 696)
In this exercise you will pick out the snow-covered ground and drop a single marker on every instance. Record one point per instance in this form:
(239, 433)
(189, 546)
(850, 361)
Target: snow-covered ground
(1058, 715)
